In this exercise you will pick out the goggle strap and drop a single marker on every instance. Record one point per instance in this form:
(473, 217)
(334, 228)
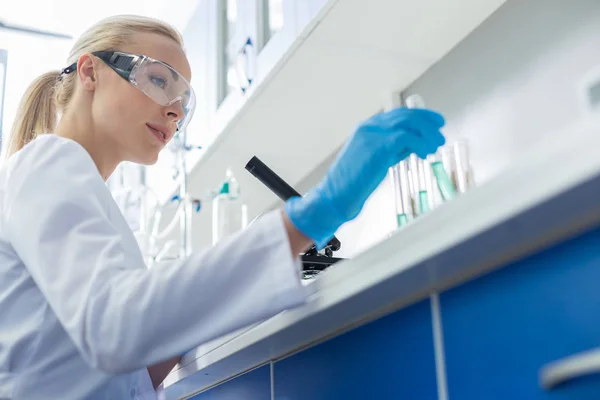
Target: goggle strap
(121, 63)
(69, 69)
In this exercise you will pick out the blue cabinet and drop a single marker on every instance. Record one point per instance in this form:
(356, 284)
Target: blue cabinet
(253, 385)
(500, 329)
(389, 358)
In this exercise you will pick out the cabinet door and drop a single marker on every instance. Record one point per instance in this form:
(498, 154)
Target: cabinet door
(275, 30)
(501, 329)
(253, 385)
(390, 358)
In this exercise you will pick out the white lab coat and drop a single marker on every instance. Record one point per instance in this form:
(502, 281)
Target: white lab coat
(80, 314)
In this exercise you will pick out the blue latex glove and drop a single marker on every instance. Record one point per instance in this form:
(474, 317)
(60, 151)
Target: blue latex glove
(379, 143)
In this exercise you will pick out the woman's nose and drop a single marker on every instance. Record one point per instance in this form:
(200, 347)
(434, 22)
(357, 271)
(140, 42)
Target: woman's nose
(175, 111)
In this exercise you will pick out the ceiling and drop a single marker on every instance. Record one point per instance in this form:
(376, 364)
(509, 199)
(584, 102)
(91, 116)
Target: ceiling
(72, 18)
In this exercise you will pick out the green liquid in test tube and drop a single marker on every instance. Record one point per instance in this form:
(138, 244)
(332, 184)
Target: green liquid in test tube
(402, 219)
(423, 202)
(443, 180)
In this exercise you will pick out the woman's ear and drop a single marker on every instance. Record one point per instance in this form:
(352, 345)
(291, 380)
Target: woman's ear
(86, 71)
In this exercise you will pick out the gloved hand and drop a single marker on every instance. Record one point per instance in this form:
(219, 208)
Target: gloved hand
(379, 143)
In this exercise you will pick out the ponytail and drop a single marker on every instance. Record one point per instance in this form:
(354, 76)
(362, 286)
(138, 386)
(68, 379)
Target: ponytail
(37, 112)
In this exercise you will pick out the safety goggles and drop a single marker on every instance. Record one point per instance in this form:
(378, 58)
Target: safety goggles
(157, 80)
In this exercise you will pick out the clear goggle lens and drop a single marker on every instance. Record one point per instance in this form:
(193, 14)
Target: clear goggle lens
(165, 86)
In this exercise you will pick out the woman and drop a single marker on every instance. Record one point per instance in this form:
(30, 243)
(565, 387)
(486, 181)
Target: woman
(81, 317)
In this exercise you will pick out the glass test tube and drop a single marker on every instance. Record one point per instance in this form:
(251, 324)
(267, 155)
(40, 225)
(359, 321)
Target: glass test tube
(405, 187)
(463, 168)
(423, 176)
(417, 172)
(401, 193)
(443, 177)
(395, 182)
(429, 182)
(414, 101)
(446, 153)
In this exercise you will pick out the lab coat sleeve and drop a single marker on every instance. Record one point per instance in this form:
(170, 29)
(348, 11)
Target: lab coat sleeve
(123, 317)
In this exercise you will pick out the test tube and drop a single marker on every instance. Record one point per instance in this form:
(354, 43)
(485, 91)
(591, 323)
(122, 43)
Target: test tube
(442, 177)
(446, 154)
(417, 173)
(463, 168)
(424, 195)
(417, 166)
(430, 184)
(398, 207)
(412, 185)
(414, 101)
(401, 189)
(405, 189)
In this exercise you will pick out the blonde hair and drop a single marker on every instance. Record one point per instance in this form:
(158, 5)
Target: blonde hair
(50, 93)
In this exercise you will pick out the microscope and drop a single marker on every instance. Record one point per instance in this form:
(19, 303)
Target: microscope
(313, 260)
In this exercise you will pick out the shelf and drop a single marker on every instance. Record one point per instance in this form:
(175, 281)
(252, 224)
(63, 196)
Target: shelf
(534, 204)
(335, 74)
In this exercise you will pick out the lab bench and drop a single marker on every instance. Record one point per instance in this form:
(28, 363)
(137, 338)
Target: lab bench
(493, 295)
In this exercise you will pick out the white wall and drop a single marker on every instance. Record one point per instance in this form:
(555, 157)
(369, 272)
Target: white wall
(509, 85)
(521, 80)
(29, 56)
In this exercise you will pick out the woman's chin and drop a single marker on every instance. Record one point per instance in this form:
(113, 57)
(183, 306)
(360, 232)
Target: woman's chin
(145, 159)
